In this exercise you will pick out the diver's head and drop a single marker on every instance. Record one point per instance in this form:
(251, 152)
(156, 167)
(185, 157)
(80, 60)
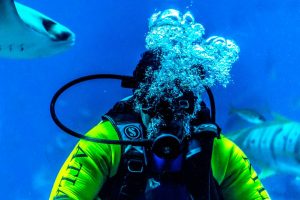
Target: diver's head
(183, 102)
(167, 109)
(177, 66)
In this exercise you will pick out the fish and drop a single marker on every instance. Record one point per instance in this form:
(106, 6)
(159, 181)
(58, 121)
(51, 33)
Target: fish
(26, 33)
(248, 115)
(273, 145)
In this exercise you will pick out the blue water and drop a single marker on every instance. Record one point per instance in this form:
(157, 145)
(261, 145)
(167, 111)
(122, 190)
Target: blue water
(109, 39)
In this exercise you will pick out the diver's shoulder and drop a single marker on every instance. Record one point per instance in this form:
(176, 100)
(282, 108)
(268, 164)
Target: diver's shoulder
(223, 150)
(104, 129)
(104, 124)
(228, 148)
(224, 142)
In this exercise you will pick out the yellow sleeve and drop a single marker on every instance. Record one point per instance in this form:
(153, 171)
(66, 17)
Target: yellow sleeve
(88, 166)
(234, 172)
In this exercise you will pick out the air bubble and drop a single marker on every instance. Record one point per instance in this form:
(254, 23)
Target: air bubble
(189, 62)
(188, 18)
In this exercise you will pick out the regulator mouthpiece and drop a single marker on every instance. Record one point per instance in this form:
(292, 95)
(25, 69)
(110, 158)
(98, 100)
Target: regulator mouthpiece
(166, 146)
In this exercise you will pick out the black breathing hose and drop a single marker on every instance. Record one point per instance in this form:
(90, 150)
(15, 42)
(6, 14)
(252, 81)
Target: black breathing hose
(126, 82)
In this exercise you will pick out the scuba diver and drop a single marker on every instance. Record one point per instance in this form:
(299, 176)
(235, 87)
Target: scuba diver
(163, 142)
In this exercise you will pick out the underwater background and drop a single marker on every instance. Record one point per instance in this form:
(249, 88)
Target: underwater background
(110, 37)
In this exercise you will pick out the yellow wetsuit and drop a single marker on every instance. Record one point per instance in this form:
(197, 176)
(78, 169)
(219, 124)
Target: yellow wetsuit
(90, 164)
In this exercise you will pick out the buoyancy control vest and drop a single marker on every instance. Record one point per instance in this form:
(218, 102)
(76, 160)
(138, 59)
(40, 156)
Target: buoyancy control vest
(139, 167)
(188, 177)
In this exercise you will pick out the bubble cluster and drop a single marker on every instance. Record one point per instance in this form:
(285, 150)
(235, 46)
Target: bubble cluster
(188, 60)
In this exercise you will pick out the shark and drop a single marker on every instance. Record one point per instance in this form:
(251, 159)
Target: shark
(273, 145)
(26, 33)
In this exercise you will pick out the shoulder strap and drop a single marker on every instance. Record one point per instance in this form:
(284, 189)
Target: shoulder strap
(197, 166)
(130, 180)
(125, 120)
